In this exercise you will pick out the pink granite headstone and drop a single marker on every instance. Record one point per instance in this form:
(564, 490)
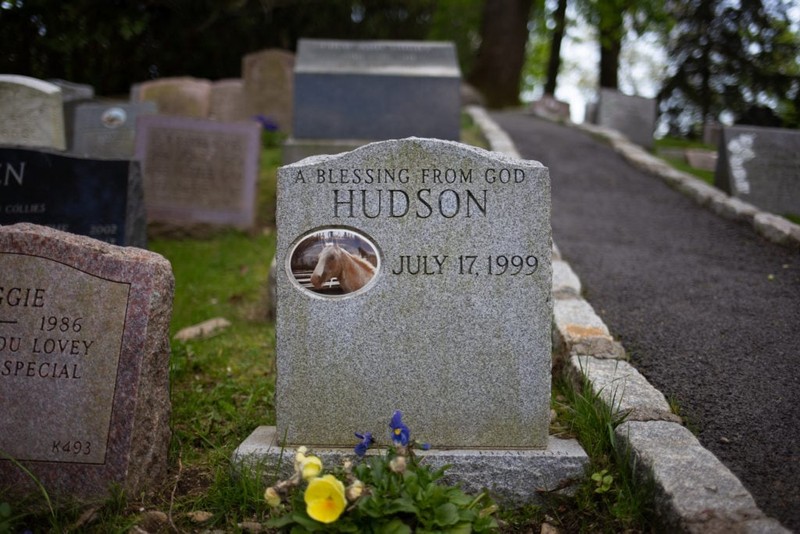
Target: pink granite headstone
(84, 363)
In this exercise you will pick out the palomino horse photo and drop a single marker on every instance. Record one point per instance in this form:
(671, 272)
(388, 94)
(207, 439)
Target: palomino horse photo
(351, 271)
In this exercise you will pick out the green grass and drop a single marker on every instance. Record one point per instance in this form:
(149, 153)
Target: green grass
(679, 162)
(222, 388)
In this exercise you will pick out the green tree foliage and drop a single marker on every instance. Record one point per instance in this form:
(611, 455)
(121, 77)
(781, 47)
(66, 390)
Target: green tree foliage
(731, 57)
(111, 44)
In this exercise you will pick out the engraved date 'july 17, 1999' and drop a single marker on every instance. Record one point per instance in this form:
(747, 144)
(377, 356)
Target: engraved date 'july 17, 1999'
(493, 265)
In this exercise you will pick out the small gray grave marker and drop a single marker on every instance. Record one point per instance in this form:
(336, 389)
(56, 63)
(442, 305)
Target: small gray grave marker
(761, 166)
(228, 102)
(84, 372)
(199, 171)
(31, 113)
(183, 96)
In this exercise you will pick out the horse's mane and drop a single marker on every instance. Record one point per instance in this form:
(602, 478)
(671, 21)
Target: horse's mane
(358, 259)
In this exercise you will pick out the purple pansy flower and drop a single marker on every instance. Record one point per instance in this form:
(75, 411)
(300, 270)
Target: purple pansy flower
(366, 441)
(400, 432)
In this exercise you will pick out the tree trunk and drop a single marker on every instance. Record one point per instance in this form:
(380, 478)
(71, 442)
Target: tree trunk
(611, 29)
(498, 66)
(554, 64)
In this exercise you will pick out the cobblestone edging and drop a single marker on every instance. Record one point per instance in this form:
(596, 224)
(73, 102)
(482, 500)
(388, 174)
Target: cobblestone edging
(695, 492)
(772, 227)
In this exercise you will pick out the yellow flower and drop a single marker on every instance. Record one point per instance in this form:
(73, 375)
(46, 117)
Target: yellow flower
(310, 467)
(272, 497)
(325, 499)
(398, 464)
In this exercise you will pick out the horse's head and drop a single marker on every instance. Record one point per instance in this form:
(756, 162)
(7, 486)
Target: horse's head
(327, 265)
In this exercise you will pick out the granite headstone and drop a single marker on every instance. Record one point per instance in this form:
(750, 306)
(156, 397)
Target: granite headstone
(107, 130)
(632, 116)
(72, 92)
(184, 96)
(268, 85)
(228, 102)
(761, 166)
(99, 198)
(198, 171)
(84, 364)
(414, 275)
(376, 90)
(31, 113)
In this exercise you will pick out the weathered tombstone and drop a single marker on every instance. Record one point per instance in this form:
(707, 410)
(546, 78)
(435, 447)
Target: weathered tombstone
(353, 92)
(107, 130)
(98, 198)
(228, 101)
(761, 166)
(701, 159)
(198, 171)
(550, 108)
(31, 113)
(268, 85)
(184, 96)
(632, 116)
(84, 366)
(441, 305)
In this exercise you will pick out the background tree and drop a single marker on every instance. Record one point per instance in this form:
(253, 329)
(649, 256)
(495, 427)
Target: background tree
(554, 60)
(498, 65)
(736, 59)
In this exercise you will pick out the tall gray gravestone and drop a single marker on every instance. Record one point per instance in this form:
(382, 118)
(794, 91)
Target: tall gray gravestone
(199, 171)
(415, 275)
(268, 85)
(31, 113)
(107, 130)
(99, 198)
(348, 93)
(632, 116)
(761, 166)
(84, 363)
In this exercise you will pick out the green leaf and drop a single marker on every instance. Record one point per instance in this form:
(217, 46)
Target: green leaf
(395, 526)
(446, 515)
(402, 504)
(463, 528)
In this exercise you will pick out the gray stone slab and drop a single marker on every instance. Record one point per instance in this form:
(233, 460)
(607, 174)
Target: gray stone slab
(376, 90)
(107, 130)
(566, 283)
(183, 95)
(705, 160)
(454, 326)
(695, 492)
(761, 166)
(99, 198)
(31, 113)
(84, 363)
(633, 116)
(269, 85)
(513, 477)
(199, 171)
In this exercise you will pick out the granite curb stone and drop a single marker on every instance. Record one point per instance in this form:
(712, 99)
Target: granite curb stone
(772, 227)
(695, 492)
(578, 330)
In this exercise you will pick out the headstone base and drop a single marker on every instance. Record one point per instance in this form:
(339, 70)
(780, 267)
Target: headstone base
(513, 476)
(296, 149)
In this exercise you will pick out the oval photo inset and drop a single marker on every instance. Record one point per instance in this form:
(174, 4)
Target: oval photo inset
(333, 262)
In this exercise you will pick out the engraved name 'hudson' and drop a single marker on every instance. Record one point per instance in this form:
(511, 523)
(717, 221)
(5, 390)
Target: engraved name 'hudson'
(374, 203)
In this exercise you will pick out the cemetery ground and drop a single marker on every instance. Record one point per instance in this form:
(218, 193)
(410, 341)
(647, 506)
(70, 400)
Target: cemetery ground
(222, 388)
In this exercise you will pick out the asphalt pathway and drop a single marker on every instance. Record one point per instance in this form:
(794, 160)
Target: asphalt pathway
(708, 310)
